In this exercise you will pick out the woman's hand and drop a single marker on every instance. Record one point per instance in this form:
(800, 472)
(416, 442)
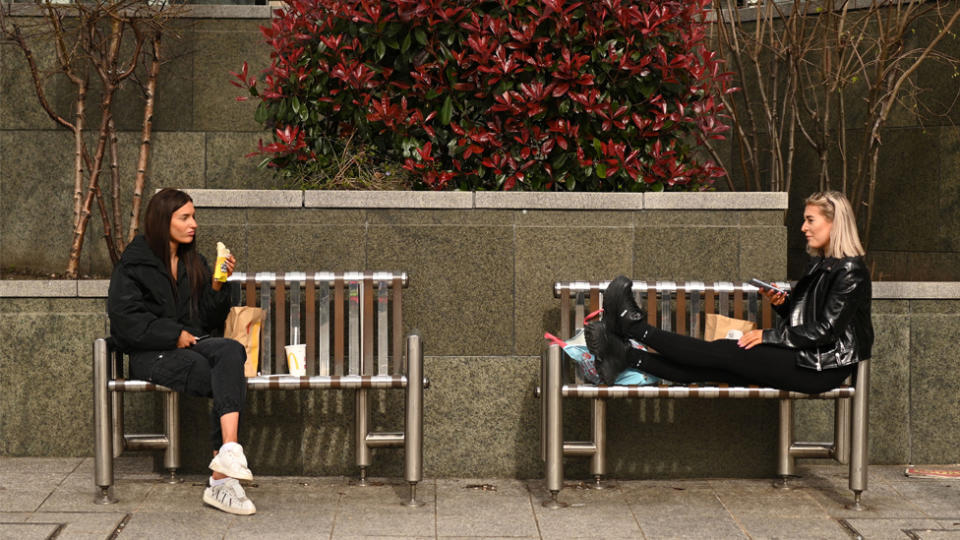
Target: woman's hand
(186, 340)
(231, 263)
(776, 298)
(749, 339)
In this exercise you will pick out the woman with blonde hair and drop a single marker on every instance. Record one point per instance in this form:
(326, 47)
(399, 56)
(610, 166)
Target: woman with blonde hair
(823, 330)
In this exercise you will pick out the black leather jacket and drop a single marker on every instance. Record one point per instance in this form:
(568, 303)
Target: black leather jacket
(827, 315)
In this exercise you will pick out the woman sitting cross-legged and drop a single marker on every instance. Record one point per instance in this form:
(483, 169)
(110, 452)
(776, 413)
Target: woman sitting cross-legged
(163, 303)
(823, 331)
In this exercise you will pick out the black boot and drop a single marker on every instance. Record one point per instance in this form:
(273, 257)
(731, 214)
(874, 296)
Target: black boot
(608, 349)
(620, 308)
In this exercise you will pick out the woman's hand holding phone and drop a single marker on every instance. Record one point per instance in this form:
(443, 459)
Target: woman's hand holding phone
(776, 295)
(185, 340)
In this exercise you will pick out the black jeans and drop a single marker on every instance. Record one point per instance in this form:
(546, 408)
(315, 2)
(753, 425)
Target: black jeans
(686, 360)
(212, 368)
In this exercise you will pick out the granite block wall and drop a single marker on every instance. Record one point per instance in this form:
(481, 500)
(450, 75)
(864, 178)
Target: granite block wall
(480, 293)
(201, 135)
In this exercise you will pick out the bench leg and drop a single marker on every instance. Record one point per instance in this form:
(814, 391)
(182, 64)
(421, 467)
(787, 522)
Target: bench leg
(413, 423)
(103, 436)
(171, 427)
(859, 452)
(363, 455)
(552, 393)
(786, 464)
(598, 428)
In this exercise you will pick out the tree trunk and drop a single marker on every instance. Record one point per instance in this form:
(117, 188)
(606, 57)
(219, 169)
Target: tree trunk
(145, 138)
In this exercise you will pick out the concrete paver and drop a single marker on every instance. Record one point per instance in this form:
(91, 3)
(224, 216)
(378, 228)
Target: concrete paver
(47, 498)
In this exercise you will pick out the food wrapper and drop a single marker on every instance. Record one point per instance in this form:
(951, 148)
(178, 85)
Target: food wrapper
(220, 272)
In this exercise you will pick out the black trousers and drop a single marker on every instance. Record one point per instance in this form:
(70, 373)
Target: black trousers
(685, 359)
(213, 368)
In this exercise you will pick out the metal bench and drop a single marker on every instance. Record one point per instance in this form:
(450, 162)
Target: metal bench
(352, 324)
(681, 308)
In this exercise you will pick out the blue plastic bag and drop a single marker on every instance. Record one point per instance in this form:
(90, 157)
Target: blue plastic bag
(576, 349)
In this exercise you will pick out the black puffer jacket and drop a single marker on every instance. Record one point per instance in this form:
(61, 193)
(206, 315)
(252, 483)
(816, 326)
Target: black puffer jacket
(827, 315)
(145, 312)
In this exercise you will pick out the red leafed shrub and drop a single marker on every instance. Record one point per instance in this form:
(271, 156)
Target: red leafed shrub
(605, 95)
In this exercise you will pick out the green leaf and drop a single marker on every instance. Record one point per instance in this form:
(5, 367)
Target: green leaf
(447, 111)
(381, 49)
(405, 46)
(601, 170)
(260, 116)
(420, 35)
(295, 105)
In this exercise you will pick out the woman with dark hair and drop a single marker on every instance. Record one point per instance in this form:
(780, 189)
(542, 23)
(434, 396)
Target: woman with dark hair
(163, 305)
(823, 331)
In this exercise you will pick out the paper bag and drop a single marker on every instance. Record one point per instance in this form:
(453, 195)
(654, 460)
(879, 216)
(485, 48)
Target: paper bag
(243, 324)
(720, 327)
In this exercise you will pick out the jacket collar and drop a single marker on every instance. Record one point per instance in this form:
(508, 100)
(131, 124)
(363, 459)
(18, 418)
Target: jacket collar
(139, 252)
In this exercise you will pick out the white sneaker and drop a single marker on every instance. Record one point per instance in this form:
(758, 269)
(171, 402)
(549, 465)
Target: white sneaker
(230, 498)
(232, 462)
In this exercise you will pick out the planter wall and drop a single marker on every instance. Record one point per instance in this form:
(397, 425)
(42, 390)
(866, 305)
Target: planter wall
(481, 267)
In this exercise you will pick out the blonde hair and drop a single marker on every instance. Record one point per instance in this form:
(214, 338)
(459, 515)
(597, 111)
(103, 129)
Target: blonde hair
(844, 239)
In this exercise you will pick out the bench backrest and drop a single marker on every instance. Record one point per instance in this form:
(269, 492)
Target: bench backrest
(676, 306)
(351, 322)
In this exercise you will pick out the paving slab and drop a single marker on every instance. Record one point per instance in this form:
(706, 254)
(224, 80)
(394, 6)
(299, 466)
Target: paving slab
(801, 528)
(375, 510)
(888, 528)
(590, 514)
(81, 524)
(937, 534)
(201, 523)
(27, 531)
(680, 510)
(44, 497)
(485, 507)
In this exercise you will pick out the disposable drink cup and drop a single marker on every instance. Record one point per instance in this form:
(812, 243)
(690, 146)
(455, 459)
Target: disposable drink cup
(296, 359)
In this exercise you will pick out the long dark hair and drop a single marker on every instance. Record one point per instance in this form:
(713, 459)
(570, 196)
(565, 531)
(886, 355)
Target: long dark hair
(157, 233)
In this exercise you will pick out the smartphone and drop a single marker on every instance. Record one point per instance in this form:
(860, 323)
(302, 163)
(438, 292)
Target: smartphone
(765, 285)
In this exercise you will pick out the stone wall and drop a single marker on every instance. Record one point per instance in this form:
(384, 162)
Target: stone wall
(481, 269)
(201, 135)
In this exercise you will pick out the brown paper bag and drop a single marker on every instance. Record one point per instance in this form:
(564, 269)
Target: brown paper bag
(243, 324)
(720, 327)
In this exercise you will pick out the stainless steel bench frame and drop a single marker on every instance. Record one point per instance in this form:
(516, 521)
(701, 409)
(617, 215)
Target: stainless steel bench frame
(667, 298)
(357, 289)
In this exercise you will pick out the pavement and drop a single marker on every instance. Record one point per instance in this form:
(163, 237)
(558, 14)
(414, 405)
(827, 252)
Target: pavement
(45, 498)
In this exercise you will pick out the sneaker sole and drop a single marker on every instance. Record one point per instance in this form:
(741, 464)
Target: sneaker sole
(210, 501)
(214, 466)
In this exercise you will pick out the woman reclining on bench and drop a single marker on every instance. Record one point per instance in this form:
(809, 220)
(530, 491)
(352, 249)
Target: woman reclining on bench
(163, 304)
(823, 331)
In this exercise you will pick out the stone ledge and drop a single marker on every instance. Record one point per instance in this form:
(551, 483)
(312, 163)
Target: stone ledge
(538, 200)
(240, 198)
(388, 199)
(246, 198)
(97, 288)
(31, 288)
(198, 11)
(916, 290)
(93, 288)
(740, 200)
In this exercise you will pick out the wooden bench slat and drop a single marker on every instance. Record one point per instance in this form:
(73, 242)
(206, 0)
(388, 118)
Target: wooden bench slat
(366, 363)
(323, 328)
(398, 358)
(338, 330)
(383, 339)
(353, 328)
(280, 306)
